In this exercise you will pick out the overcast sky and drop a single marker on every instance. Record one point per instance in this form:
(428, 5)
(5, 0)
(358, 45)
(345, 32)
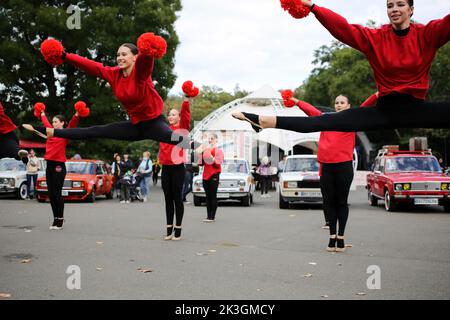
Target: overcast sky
(254, 42)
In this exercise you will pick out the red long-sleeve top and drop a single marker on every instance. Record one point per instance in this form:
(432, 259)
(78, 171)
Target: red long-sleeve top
(55, 148)
(6, 124)
(169, 154)
(136, 92)
(210, 168)
(334, 146)
(400, 64)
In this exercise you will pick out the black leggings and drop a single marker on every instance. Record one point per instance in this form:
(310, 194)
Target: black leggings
(266, 183)
(55, 174)
(9, 146)
(391, 112)
(155, 129)
(335, 185)
(211, 187)
(172, 179)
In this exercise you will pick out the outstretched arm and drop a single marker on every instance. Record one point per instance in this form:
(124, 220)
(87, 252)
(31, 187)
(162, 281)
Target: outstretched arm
(185, 115)
(45, 121)
(352, 35)
(74, 121)
(144, 66)
(310, 110)
(91, 67)
(439, 31)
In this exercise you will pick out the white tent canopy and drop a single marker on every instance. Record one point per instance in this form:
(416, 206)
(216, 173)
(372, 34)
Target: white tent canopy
(264, 101)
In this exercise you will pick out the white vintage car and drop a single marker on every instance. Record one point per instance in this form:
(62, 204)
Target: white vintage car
(299, 182)
(236, 182)
(13, 176)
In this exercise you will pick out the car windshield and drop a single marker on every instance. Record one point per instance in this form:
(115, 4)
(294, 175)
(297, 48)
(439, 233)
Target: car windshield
(234, 166)
(12, 165)
(80, 167)
(412, 164)
(301, 164)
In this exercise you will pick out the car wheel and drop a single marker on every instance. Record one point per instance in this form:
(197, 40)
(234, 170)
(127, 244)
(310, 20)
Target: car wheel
(22, 192)
(373, 201)
(447, 207)
(245, 201)
(389, 203)
(282, 203)
(91, 196)
(197, 201)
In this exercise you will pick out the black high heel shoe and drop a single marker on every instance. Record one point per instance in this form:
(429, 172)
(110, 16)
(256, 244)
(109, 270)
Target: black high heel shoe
(251, 118)
(340, 246)
(332, 245)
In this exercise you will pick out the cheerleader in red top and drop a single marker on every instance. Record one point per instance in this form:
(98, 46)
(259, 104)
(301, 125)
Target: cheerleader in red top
(55, 173)
(9, 144)
(400, 55)
(211, 159)
(172, 159)
(335, 156)
(131, 82)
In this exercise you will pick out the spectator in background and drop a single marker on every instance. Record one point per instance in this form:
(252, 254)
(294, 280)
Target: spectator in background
(145, 171)
(125, 186)
(128, 164)
(155, 172)
(265, 176)
(117, 171)
(282, 163)
(33, 166)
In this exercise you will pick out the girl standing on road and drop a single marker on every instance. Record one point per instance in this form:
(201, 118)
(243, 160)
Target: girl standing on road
(400, 55)
(173, 171)
(211, 159)
(55, 155)
(335, 155)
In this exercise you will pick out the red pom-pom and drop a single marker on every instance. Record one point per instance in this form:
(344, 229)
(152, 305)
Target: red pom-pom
(194, 92)
(39, 107)
(187, 86)
(295, 8)
(152, 45)
(288, 103)
(287, 94)
(81, 108)
(189, 89)
(52, 50)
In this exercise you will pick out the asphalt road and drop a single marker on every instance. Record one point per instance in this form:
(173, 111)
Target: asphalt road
(260, 252)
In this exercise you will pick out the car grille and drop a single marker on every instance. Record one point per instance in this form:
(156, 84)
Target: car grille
(67, 184)
(228, 183)
(308, 184)
(426, 186)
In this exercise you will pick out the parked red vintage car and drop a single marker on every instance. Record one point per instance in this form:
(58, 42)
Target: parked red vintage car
(407, 177)
(85, 180)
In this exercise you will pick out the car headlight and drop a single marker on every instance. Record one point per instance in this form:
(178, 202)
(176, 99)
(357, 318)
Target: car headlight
(77, 184)
(43, 184)
(198, 183)
(444, 186)
(8, 181)
(402, 186)
(241, 183)
(290, 184)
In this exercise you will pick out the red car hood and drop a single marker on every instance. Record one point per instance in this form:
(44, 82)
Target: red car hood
(416, 176)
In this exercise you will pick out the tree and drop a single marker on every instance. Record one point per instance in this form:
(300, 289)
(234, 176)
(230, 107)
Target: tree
(26, 78)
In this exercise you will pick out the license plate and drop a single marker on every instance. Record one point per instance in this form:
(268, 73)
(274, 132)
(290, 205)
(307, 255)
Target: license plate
(426, 201)
(223, 195)
(64, 193)
(311, 194)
